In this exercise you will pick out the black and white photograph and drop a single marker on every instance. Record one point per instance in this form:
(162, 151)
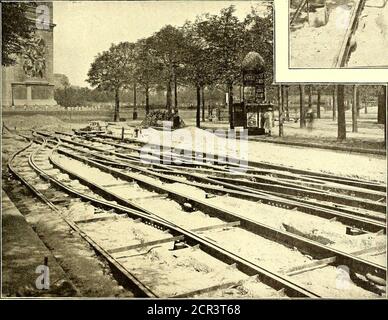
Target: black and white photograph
(148, 153)
(338, 34)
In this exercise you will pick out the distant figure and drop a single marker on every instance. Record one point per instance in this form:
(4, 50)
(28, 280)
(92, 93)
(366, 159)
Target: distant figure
(310, 119)
(268, 121)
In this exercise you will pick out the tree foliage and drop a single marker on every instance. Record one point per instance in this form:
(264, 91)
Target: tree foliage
(17, 29)
(205, 53)
(113, 70)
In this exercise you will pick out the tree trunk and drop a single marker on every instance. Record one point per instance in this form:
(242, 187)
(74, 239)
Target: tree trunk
(134, 102)
(301, 106)
(318, 103)
(168, 96)
(117, 106)
(354, 110)
(358, 102)
(198, 115)
(281, 106)
(341, 113)
(175, 94)
(310, 96)
(334, 102)
(286, 98)
(147, 100)
(230, 97)
(203, 103)
(381, 107)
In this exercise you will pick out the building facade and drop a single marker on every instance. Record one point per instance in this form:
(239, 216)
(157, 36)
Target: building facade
(30, 82)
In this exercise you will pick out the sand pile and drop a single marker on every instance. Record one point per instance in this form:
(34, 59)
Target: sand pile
(313, 47)
(372, 36)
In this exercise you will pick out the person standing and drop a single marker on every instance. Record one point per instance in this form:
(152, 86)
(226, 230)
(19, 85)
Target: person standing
(268, 121)
(310, 119)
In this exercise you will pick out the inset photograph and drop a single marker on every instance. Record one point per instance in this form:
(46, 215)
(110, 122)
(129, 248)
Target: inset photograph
(338, 33)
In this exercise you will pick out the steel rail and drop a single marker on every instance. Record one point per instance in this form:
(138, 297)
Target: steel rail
(312, 247)
(273, 279)
(253, 166)
(257, 164)
(361, 222)
(216, 171)
(376, 194)
(292, 191)
(140, 289)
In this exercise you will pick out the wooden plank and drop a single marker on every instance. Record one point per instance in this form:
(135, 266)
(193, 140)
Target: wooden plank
(60, 200)
(112, 217)
(117, 184)
(310, 266)
(208, 289)
(155, 196)
(325, 262)
(145, 244)
(218, 226)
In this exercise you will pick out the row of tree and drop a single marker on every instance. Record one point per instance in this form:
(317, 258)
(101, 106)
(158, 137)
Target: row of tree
(205, 53)
(338, 93)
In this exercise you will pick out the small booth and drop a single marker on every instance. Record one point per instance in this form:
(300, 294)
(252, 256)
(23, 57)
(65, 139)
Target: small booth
(250, 112)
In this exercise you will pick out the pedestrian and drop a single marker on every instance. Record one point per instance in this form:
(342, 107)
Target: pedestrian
(310, 119)
(268, 121)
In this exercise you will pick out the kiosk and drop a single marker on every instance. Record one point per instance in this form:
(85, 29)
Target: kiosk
(250, 112)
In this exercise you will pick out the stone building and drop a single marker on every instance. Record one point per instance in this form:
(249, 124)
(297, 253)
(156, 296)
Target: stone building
(30, 81)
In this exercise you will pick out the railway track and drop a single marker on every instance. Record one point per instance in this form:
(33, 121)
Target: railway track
(355, 217)
(241, 270)
(231, 223)
(181, 198)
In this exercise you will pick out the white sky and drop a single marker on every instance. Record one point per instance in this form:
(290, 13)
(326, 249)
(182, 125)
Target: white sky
(85, 28)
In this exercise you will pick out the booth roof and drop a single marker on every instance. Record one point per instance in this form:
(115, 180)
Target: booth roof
(253, 61)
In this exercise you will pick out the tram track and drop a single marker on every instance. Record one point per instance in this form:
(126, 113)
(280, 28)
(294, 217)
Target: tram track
(249, 269)
(367, 220)
(326, 258)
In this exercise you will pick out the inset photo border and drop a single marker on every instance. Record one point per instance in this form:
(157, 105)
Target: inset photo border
(331, 40)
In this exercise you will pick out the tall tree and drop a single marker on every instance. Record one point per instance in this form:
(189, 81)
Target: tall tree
(302, 122)
(113, 70)
(341, 113)
(381, 106)
(17, 30)
(198, 61)
(334, 102)
(318, 102)
(259, 37)
(224, 35)
(166, 46)
(281, 108)
(354, 109)
(148, 69)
